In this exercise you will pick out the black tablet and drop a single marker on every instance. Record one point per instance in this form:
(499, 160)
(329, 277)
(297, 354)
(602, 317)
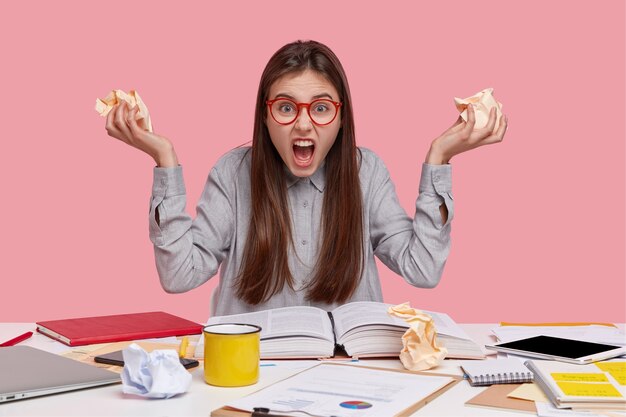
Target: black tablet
(556, 348)
(117, 358)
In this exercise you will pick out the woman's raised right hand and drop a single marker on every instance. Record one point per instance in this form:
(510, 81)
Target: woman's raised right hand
(121, 124)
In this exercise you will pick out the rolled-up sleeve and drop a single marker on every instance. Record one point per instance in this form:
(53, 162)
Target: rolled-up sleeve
(436, 188)
(416, 249)
(188, 252)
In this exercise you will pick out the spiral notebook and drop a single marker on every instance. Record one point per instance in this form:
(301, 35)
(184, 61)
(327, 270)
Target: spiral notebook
(498, 371)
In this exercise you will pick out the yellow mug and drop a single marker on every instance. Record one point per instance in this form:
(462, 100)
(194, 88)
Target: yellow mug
(231, 354)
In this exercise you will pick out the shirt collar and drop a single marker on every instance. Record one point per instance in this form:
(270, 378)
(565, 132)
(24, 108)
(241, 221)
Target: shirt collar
(318, 179)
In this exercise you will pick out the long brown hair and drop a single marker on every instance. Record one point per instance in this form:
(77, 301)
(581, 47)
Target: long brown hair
(265, 269)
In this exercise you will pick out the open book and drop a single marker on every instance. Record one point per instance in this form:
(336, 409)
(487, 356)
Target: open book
(361, 328)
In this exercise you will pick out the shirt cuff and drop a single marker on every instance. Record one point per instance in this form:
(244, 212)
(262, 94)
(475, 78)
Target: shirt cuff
(168, 182)
(436, 179)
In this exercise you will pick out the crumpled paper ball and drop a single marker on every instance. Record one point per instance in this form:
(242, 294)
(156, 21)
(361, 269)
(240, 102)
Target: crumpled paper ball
(158, 374)
(420, 350)
(104, 106)
(483, 102)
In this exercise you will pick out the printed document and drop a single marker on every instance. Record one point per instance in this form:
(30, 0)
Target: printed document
(343, 391)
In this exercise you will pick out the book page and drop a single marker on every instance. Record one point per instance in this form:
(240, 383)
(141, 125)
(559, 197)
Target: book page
(461, 348)
(286, 321)
(363, 313)
(445, 325)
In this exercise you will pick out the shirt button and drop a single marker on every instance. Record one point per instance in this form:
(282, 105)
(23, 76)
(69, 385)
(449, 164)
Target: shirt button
(304, 242)
(305, 204)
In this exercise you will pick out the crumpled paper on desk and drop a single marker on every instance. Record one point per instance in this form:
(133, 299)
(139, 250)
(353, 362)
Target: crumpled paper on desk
(158, 374)
(483, 102)
(104, 106)
(420, 350)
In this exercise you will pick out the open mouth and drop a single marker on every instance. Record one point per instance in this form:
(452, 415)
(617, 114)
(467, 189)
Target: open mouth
(303, 151)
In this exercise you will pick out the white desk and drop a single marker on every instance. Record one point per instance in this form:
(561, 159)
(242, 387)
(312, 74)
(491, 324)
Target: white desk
(202, 398)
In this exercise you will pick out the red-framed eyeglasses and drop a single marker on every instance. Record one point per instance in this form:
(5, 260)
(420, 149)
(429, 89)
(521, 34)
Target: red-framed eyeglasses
(321, 111)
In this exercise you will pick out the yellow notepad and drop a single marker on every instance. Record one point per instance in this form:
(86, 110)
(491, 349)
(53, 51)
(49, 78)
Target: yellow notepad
(581, 386)
(617, 369)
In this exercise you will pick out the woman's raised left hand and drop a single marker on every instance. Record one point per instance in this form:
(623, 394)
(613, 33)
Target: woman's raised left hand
(462, 136)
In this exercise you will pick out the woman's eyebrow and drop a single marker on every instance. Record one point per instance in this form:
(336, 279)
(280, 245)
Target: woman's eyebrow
(323, 95)
(315, 97)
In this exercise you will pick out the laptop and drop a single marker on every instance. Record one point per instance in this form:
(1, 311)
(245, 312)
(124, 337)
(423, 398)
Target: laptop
(26, 372)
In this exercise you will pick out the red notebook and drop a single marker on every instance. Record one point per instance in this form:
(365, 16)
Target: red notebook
(117, 328)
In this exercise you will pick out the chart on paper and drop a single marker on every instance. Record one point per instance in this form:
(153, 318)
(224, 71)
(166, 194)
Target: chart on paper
(332, 390)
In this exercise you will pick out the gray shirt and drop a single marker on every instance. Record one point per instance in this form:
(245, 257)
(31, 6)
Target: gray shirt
(190, 251)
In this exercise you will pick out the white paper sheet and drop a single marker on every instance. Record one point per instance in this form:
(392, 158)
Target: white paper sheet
(591, 333)
(548, 410)
(331, 390)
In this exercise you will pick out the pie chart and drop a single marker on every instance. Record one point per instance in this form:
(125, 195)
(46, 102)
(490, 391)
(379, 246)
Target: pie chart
(355, 405)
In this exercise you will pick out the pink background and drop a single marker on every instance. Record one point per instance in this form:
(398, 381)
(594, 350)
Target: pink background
(539, 228)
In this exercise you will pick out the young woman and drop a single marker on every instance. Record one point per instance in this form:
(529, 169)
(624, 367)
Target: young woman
(297, 218)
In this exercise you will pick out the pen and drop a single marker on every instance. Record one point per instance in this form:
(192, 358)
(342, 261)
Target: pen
(340, 359)
(265, 412)
(182, 350)
(17, 340)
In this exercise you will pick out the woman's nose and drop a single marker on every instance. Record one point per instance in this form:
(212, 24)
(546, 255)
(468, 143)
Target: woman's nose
(303, 121)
